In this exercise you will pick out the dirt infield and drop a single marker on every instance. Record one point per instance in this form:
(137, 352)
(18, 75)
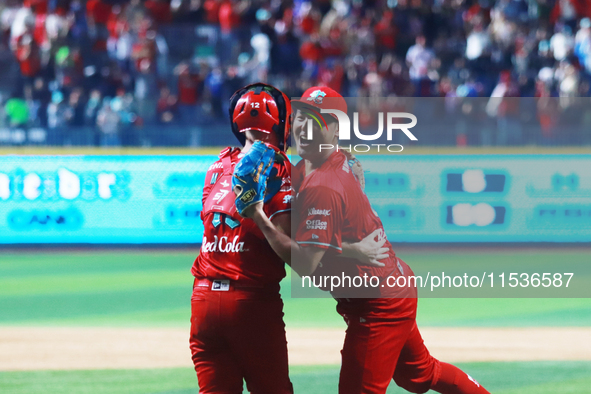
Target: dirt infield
(26, 348)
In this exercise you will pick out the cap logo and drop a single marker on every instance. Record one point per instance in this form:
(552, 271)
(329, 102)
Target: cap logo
(316, 96)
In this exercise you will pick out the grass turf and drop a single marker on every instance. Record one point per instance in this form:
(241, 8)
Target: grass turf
(499, 378)
(152, 288)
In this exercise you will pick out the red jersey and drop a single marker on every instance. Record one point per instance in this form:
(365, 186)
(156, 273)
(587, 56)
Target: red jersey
(188, 87)
(27, 53)
(228, 18)
(332, 208)
(233, 247)
(98, 10)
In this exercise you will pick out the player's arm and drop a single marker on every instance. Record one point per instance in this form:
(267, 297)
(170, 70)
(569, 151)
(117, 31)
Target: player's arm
(278, 233)
(307, 257)
(282, 222)
(367, 251)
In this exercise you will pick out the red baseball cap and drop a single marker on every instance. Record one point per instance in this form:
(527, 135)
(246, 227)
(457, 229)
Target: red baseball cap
(321, 97)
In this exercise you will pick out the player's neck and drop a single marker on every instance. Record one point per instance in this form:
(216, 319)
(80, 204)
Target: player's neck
(247, 145)
(249, 142)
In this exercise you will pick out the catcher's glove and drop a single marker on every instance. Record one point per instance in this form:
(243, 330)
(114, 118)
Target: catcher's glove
(249, 182)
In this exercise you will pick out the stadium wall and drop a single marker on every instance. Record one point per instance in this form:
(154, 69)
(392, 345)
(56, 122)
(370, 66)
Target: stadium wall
(122, 197)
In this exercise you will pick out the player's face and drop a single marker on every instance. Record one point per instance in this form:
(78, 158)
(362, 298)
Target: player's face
(324, 136)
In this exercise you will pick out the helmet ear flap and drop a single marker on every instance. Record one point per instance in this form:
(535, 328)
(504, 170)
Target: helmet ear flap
(282, 130)
(287, 125)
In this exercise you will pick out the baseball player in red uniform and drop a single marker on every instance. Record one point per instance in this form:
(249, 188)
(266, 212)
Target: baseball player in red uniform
(237, 328)
(382, 339)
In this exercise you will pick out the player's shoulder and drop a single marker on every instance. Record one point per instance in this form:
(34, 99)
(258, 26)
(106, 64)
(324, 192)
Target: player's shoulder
(230, 152)
(334, 174)
(217, 165)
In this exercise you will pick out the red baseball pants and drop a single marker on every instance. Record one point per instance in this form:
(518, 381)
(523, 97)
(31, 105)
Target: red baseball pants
(239, 334)
(377, 351)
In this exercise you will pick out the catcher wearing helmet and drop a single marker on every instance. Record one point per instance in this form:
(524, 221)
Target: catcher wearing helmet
(237, 328)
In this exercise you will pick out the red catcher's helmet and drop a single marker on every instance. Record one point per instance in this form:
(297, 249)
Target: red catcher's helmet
(263, 108)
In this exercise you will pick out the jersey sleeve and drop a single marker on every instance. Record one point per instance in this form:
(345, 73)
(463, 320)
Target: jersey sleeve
(319, 218)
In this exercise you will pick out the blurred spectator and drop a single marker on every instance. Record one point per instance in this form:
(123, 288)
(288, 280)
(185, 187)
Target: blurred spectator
(418, 59)
(562, 43)
(503, 106)
(582, 47)
(385, 34)
(76, 110)
(258, 66)
(146, 82)
(68, 68)
(232, 37)
(27, 53)
(138, 51)
(477, 42)
(93, 106)
(189, 88)
(214, 89)
(34, 107)
(122, 42)
(166, 107)
(159, 10)
(98, 13)
(109, 123)
(57, 118)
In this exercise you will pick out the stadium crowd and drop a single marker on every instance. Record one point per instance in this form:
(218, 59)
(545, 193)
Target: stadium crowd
(117, 66)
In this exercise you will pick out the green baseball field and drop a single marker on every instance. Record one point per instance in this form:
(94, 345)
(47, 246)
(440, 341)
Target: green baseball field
(117, 321)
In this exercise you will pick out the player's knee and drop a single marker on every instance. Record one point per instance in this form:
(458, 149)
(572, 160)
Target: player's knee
(416, 378)
(412, 386)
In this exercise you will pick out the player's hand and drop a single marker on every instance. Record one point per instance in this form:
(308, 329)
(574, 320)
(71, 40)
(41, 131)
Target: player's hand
(369, 251)
(252, 210)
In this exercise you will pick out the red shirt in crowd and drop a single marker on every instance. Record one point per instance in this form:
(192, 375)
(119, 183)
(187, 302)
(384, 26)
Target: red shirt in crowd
(188, 87)
(159, 10)
(385, 32)
(98, 11)
(309, 24)
(27, 54)
(212, 11)
(228, 18)
(38, 7)
(310, 51)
